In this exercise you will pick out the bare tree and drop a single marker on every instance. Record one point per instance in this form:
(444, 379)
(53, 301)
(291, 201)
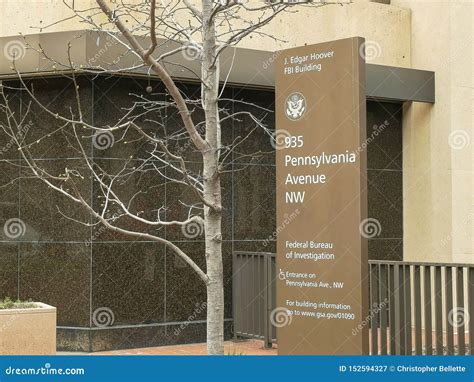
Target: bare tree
(203, 29)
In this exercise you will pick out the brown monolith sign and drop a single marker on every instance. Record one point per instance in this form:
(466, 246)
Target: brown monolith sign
(322, 284)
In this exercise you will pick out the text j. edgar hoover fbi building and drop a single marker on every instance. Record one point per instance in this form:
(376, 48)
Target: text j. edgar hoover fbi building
(112, 291)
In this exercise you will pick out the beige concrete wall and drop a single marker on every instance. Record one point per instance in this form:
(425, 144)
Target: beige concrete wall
(29, 16)
(387, 28)
(439, 139)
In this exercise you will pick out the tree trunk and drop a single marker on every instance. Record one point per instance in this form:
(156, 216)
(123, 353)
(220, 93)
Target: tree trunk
(212, 186)
(215, 287)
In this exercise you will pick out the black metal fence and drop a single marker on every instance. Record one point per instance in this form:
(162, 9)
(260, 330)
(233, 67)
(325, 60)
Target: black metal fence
(253, 295)
(415, 308)
(421, 308)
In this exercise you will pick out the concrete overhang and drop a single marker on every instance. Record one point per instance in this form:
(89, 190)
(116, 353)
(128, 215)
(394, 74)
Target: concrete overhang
(248, 67)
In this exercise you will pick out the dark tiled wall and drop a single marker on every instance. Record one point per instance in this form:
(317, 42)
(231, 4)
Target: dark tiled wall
(385, 189)
(154, 297)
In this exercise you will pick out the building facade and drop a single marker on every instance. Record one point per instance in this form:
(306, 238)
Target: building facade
(420, 173)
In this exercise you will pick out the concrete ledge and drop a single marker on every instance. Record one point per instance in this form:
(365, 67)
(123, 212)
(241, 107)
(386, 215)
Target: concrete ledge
(38, 309)
(92, 50)
(399, 84)
(28, 331)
